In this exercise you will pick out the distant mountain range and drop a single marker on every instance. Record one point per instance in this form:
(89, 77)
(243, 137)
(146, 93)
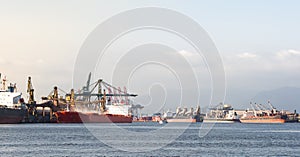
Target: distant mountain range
(287, 98)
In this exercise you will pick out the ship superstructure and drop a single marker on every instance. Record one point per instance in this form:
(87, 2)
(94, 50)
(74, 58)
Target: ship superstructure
(222, 114)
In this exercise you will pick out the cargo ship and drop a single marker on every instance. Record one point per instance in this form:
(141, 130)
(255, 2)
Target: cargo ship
(221, 114)
(111, 107)
(183, 115)
(263, 115)
(12, 106)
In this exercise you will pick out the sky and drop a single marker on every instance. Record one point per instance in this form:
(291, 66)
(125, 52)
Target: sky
(258, 42)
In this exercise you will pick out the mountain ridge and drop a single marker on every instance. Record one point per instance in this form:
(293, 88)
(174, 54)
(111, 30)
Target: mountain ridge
(286, 98)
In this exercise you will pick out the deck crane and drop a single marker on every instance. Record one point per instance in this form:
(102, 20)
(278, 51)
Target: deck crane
(273, 109)
(269, 103)
(263, 107)
(255, 114)
(87, 87)
(30, 91)
(258, 107)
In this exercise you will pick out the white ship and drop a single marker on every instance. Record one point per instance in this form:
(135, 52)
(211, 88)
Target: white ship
(12, 106)
(221, 114)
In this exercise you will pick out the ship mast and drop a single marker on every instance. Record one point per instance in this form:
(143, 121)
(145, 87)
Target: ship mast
(4, 83)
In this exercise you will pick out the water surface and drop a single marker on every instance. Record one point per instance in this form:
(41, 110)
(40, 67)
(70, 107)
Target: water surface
(224, 139)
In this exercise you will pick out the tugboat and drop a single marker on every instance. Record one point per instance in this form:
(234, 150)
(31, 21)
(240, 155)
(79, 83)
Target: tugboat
(12, 106)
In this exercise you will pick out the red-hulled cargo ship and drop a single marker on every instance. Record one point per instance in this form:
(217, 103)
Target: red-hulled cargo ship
(80, 117)
(114, 107)
(262, 116)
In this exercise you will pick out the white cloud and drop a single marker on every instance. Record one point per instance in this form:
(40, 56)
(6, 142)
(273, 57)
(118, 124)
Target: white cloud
(288, 53)
(247, 55)
(194, 58)
(186, 53)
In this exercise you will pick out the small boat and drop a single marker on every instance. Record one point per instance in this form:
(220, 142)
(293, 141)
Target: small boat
(163, 121)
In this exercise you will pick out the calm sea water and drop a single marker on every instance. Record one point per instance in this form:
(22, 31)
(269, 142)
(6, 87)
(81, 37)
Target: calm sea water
(222, 140)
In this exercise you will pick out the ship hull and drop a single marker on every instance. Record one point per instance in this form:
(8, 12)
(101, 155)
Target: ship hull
(221, 121)
(176, 120)
(262, 120)
(79, 117)
(11, 116)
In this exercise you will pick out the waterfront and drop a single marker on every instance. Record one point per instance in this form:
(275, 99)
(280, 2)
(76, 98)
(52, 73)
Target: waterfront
(224, 139)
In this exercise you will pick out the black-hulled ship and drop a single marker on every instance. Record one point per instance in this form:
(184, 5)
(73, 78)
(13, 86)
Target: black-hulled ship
(12, 106)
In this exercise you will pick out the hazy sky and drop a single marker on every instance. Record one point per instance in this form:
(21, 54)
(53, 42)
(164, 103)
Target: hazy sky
(257, 40)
